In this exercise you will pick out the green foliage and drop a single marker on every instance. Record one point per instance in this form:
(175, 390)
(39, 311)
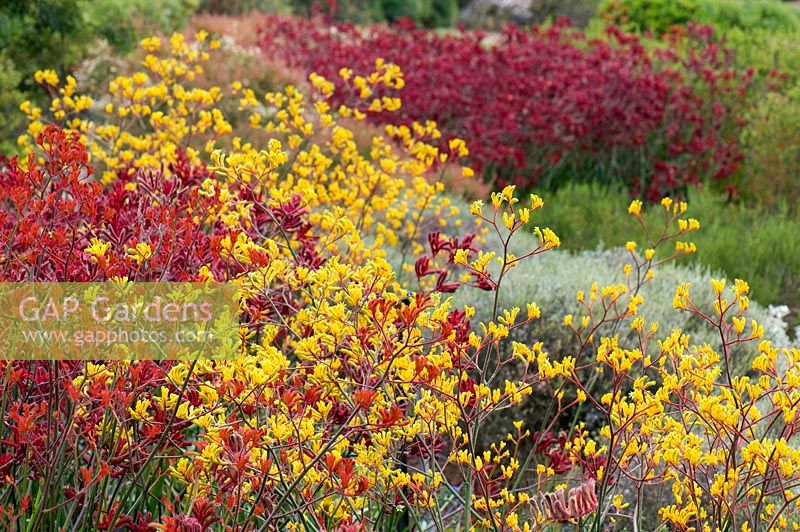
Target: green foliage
(34, 36)
(660, 15)
(773, 149)
(756, 244)
(10, 99)
(56, 34)
(41, 34)
(240, 7)
(395, 9)
(655, 15)
(122, 22)
(578, 11)
(426, 13)
(440, 13)
(747, 14)
(765, 50)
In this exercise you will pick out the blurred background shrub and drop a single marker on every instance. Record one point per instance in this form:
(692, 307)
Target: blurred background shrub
(549, 106)
(493, 14)
(770, 177)
(42, 34)
(659, 16)
(123, 22)
(10, 98)
(771, 53)
(242, 7)
(749, 14)
(58, 34)
(34, 36)
(424, 13)
(484, 14)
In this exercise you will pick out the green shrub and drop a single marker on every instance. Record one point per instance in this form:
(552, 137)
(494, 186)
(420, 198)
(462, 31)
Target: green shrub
(493, 14)
(34, 36)
(240, 7)
(771, 174)
(749, 14)
(358, 11)
(440, 13)
(425, 13)
(655, 15)
(659, 16)
(41, 34)
(122, 22)
(10, 99)
(57, 34)
(577, 11)
(395, 9)
(765, 50)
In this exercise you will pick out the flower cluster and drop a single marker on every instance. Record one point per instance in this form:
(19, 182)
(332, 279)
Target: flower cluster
(361, 391)
(353, 395)
(549, 105)
(674, 412)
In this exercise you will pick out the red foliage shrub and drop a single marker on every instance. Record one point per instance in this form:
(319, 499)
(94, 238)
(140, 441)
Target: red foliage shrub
(543, 106)
(53, 211)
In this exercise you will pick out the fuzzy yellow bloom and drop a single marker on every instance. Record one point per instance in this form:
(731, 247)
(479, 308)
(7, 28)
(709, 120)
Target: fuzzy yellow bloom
(140, 411)
(688, 225)
(476, 208)
(547, 238)
(681, 296)
(140, 253)
(151, 44)
(718, 285)
(46, 77)
(740, 287)
(97, 249)
(459, 147)
(635, 208)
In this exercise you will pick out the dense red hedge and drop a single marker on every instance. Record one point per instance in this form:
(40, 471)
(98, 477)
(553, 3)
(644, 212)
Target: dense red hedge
(543, 106)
